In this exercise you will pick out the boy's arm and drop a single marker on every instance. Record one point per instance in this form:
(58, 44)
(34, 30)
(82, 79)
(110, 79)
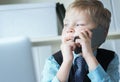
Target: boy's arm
(112, 74)
(63, 72)
(66, 48)
(91, 60)
(50, 70)
(113, 69)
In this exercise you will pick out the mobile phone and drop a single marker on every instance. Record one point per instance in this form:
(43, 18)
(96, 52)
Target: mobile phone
(98, 37)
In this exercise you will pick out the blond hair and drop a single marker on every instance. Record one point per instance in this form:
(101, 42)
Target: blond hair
(100, 15)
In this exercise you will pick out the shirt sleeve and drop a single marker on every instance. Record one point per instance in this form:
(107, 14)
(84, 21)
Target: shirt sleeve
(50, 69)
(112, 74)
(113, 69)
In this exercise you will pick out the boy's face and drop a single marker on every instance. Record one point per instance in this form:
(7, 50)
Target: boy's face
(74, 22)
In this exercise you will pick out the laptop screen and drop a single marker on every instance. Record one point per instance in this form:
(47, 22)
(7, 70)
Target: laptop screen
(16, 61)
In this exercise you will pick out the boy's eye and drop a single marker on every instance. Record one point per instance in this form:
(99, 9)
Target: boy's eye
(77, 24)
(80, 24)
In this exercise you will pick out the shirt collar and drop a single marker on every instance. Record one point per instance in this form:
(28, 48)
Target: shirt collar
(76, 55)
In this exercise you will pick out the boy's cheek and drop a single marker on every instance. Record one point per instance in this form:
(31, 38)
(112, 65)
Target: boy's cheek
(63, 32)
(64, 37)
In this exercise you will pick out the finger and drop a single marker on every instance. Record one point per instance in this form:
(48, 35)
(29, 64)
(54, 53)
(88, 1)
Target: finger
(85, 34)
(78, 42)
(82, 35)
(72, 44)
(66, 38)
(89, 33)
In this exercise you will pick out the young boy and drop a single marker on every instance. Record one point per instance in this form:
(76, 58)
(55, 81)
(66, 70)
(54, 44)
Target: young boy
(81, 17)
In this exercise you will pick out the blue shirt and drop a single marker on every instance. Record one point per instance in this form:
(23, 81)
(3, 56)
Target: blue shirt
(51, 68)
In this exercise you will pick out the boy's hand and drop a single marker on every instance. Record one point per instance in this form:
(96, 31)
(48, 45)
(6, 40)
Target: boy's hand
(67, 47)
(85, 36)
(87, 51)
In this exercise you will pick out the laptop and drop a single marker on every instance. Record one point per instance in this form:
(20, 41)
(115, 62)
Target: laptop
(16, 61)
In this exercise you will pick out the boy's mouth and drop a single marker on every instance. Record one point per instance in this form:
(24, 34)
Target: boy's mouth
(77, 49)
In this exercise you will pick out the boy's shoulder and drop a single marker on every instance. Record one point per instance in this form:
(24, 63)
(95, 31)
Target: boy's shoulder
(58, 57)
(104, 57)
(105, 54)
(105, 51)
